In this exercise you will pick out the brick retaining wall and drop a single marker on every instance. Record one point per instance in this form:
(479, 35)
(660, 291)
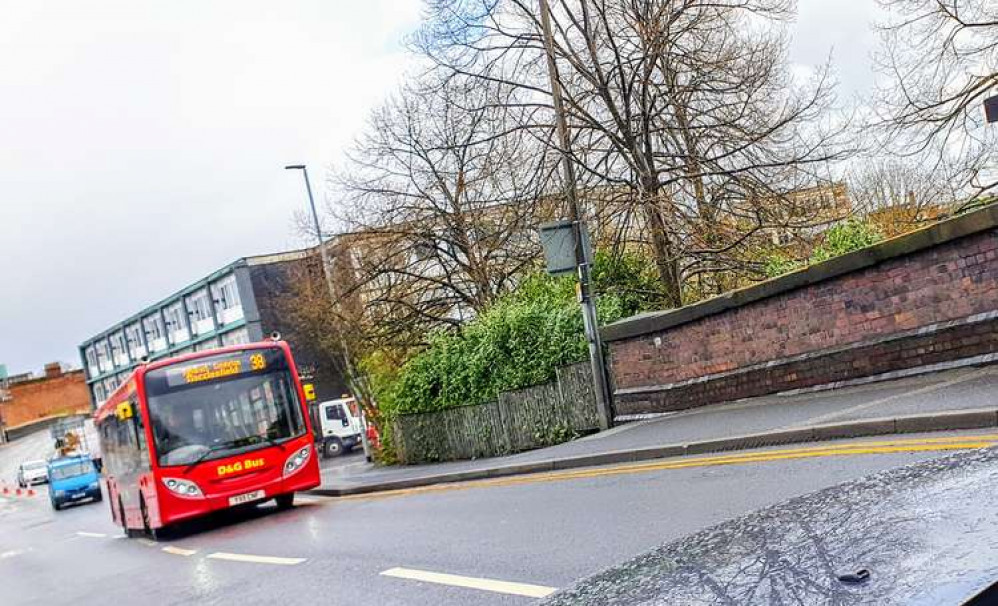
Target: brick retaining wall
(925, 298)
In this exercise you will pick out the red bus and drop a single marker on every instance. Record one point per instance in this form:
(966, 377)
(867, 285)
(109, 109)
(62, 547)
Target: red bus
(186, 436)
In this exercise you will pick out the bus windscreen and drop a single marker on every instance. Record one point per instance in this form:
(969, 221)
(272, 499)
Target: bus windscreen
(222, 405)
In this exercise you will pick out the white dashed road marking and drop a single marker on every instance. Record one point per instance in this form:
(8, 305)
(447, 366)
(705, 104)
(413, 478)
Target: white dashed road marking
(179, 551)
(12, 553)
(524, 589)
(240, 557)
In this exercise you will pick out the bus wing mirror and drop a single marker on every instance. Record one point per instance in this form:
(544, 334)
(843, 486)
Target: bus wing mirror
(124, 411)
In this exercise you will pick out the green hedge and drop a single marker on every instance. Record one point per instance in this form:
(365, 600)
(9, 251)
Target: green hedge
(519, 341)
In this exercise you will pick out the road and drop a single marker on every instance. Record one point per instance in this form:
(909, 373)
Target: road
(536, 532)
(37, 446)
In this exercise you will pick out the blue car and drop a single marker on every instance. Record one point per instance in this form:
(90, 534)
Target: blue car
(71, 480)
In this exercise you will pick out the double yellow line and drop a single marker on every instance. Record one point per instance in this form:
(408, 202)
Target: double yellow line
(761, 456)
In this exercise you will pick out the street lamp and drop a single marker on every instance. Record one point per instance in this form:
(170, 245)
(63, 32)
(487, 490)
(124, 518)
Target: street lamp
(332, 293)
(311, 200)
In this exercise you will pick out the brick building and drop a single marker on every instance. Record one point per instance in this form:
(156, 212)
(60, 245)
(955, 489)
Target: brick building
(30, 399)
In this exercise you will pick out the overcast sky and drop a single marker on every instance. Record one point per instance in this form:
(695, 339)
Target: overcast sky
(142, 142)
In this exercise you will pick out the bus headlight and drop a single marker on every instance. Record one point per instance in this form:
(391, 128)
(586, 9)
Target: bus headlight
(297, 460)
(183, 488)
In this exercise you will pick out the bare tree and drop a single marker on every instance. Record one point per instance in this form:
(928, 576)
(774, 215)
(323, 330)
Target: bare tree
(684, 108)
(881, 183)
(442, 196)
(332, 329)
(939, 60)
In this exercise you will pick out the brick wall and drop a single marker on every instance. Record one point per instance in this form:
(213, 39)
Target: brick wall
(925, 298)
(55, 394)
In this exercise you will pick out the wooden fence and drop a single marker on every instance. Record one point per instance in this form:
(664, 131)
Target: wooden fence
(520, 420)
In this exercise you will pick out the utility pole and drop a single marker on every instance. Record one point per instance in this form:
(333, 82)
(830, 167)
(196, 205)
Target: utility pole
(347, 364)
(582, 260)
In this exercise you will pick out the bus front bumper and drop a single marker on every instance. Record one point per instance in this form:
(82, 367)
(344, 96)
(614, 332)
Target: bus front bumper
(177, 509)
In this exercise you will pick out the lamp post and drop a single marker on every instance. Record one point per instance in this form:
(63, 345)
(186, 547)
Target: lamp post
(348, 366)
(315, 223)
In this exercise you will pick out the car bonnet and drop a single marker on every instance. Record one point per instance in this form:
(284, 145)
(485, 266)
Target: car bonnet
(925, 533)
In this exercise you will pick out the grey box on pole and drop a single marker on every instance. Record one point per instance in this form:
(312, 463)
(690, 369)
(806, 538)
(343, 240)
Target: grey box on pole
(991, 109)
(558, 242)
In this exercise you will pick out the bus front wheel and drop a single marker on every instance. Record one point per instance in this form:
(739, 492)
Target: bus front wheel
(285, 501)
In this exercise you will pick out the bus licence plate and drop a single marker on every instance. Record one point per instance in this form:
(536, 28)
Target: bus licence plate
(239, 499)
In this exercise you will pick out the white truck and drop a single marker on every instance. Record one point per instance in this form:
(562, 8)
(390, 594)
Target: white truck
(341, 426)
(76, 436)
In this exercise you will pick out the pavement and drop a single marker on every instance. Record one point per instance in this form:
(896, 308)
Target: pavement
(955, 399)
(500, 541)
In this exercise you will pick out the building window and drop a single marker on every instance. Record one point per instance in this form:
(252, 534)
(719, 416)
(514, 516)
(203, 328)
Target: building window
(176, 326)
(199, 308)
(103, 356)
(93, 368)
(100, 394)
(155, 333)
(424, 250)
(133, 337)
(118, 349)
(225, 294)
(208, 344)
(236, 337)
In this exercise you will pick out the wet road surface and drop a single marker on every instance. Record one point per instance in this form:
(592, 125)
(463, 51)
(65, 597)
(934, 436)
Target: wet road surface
(501, 542)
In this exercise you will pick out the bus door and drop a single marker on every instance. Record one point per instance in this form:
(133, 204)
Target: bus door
(127, 456)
